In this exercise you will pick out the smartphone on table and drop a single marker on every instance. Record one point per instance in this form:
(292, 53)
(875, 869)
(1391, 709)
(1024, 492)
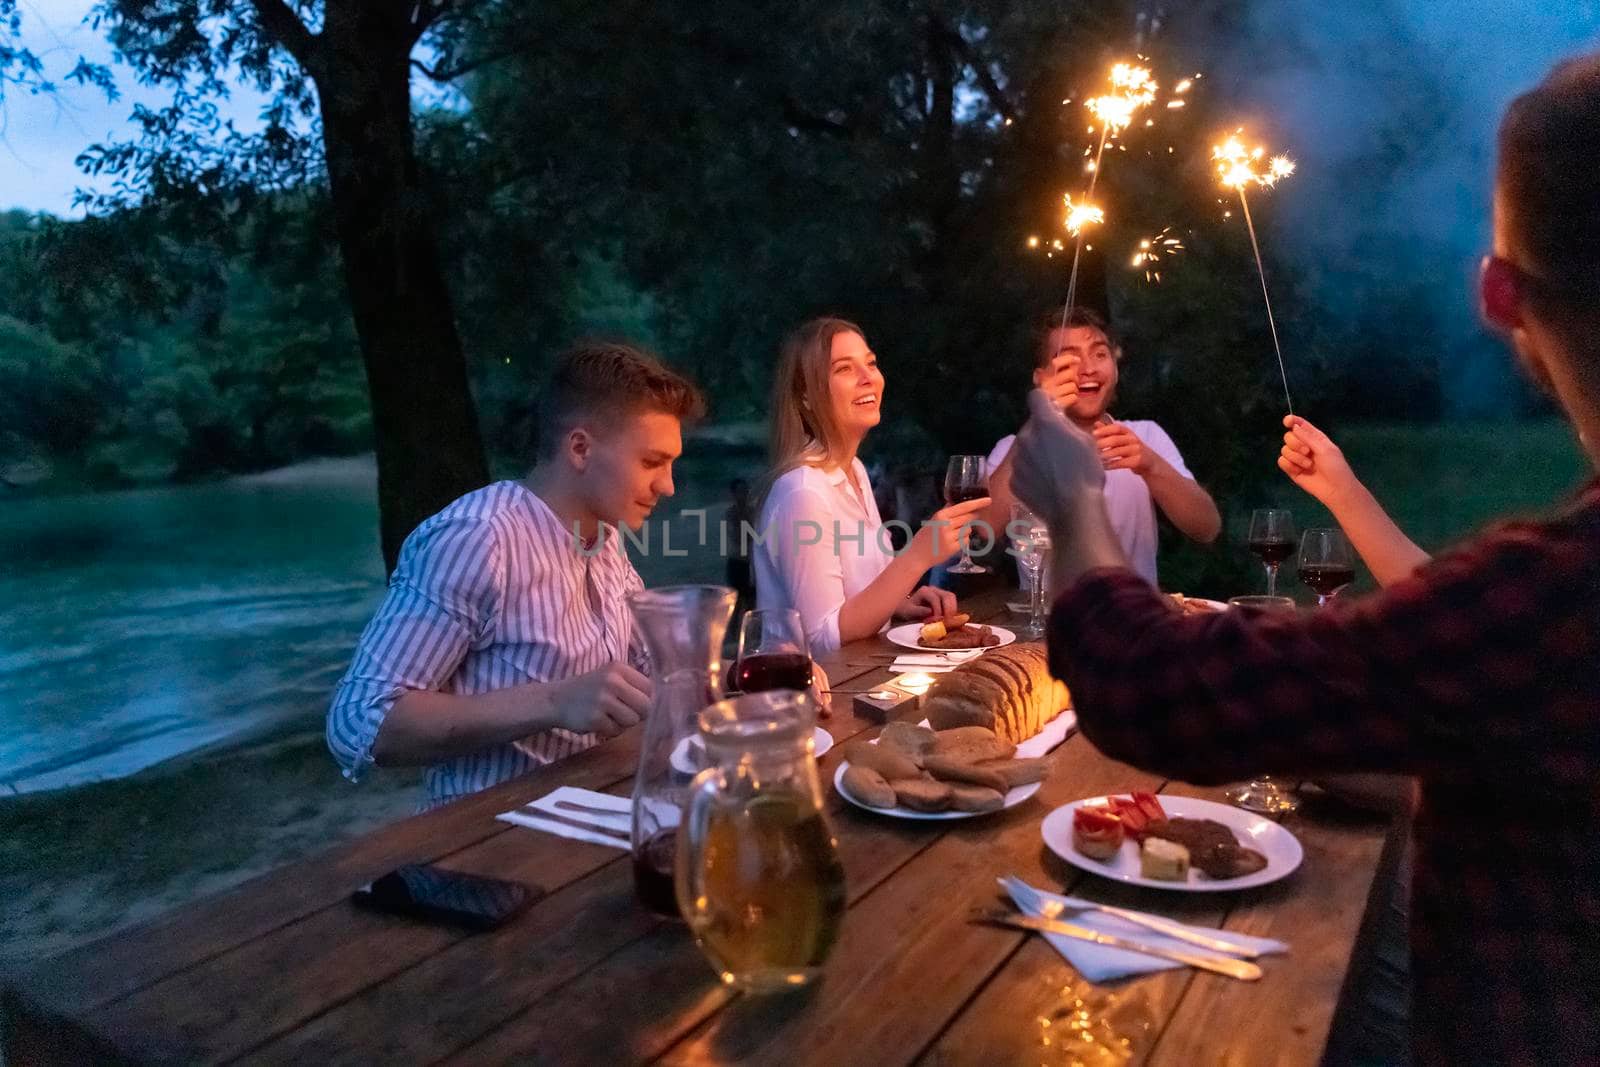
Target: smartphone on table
(435, 894)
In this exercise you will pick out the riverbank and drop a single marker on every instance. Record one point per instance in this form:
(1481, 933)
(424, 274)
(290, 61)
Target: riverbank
(78, 863)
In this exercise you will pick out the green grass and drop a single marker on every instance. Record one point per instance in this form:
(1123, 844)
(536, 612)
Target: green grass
(1440, 482)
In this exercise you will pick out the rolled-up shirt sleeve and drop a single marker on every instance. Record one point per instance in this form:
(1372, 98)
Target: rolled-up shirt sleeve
(443, 598)
(807, 554)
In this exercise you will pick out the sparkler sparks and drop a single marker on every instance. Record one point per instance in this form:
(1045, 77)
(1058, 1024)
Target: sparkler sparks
(1153, 250)
(1238, 166)
(1132, 89)
(1081, 214)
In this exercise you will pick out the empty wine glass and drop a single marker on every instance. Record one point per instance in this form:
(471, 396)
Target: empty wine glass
(1031, 540)
(967, 478)
(1262, 794)
(1272, 541)
(1326, 563)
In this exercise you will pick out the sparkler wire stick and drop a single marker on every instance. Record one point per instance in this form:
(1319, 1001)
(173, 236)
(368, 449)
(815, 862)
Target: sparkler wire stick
(1261, 272)
(1077, 248)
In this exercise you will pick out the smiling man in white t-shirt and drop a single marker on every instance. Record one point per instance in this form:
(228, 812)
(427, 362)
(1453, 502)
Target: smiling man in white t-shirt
(1077, 366)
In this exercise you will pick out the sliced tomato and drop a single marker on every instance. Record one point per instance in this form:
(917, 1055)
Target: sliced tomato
(1151, 807)
(1133, 819)
(1096, 821)
(1096, 832)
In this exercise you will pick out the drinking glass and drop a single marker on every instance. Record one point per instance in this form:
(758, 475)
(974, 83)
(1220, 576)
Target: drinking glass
(1272, 541)
(773, 653)
(1326, 563)
(1032, 544)
(966, 478)
(1262, 794)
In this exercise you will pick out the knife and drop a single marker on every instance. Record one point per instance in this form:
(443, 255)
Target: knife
(1240, 969)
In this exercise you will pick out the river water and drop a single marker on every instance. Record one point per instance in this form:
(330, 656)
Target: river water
(138, 625)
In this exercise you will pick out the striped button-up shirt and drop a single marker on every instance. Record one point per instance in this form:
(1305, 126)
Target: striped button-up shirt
(491, 592)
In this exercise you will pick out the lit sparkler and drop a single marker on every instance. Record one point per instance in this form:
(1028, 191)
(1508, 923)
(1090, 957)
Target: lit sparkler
(1153, 250)
(1132, 88)
(1238, 168)
(1081, 214)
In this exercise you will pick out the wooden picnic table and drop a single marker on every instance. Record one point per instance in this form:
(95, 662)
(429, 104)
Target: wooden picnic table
(285, 969)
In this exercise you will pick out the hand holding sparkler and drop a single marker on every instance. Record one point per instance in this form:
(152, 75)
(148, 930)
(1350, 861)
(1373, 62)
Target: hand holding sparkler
(1060, 381)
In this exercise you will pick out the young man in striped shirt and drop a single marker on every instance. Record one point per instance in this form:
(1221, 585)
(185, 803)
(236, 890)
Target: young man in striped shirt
(505, 641)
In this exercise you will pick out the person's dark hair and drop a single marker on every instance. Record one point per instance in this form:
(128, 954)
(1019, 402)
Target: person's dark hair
(603, 382)
(1549, 184)
(1050, 321)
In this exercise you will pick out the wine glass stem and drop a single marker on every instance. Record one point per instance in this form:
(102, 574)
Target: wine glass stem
(1036, 600)
(1272, 579)
(1322, 600)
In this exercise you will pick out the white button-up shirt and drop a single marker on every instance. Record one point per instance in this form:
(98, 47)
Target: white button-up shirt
(491, 592)
(824, 543)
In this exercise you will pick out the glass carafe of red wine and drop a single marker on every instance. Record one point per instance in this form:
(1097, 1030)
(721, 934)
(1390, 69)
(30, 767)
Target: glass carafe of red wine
(683, 627)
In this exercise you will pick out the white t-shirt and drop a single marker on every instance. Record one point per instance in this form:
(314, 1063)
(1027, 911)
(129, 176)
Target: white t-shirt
(822, 544)
(1133, 514)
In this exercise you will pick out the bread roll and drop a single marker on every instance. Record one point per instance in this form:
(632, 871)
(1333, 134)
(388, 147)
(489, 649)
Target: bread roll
(976, 798)
(868, 786)
(922, 794)
(950, 769)
(889, 762)
(1017, 772)
(911, 740)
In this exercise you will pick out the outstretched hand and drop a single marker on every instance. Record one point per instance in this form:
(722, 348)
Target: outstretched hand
(1057, 464)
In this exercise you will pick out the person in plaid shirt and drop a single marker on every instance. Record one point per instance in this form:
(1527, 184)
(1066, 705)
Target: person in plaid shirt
(1479, 673)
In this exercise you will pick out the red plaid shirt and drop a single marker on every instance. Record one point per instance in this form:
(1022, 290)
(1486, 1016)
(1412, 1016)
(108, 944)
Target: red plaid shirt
(1481, 676)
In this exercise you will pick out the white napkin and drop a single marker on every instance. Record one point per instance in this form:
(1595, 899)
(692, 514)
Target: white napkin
(1049, 736)
(939, 659)
(527, 815)
(1098, 963)
(919, 665)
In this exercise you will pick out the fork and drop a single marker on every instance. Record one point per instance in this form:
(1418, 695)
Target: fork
(1032, 900)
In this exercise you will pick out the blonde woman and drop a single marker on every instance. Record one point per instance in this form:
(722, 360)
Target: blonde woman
(824, 551)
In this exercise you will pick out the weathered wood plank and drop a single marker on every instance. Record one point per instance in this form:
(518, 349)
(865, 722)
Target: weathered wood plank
(1285, 1018)
(473, 987)
(910, 957)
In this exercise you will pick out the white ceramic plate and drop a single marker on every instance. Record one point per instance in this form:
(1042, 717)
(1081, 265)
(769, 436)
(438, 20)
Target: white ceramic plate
(690, 755)
(1281, 848)
(908, 634)
(1054, 732)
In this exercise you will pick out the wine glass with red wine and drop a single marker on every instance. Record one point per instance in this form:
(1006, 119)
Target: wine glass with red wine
(773, 653)
(1326, 563)
(967, 478)
(1271, 541)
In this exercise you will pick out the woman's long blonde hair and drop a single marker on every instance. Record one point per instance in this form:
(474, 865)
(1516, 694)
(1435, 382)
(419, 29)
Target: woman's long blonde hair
(802, 403)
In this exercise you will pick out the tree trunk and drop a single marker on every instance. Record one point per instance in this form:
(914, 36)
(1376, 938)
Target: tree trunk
(424, 423)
